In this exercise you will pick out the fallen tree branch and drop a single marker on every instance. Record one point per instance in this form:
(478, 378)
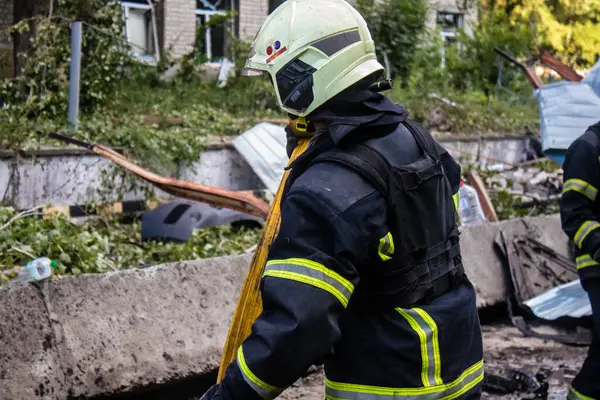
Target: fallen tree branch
(21, 215)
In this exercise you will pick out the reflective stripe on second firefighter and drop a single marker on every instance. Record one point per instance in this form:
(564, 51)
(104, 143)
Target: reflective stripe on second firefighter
(582, 187)
(386, 247)
(262, 388)
(575, 395)
(584, 231)
(311, 273)
(470, 378)
(427, 330)
(585, 261)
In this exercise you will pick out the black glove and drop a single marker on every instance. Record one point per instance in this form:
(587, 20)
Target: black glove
(212, 394)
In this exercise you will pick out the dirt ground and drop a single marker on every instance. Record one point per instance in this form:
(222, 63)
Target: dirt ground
(504, 347)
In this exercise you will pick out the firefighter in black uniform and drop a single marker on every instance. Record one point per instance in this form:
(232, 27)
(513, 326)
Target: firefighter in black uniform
(365, 275)
(580, 214)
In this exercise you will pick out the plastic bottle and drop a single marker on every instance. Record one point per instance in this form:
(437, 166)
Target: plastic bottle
(35, 270)
(469, 207)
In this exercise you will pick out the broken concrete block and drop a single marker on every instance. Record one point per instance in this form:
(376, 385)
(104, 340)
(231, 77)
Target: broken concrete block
(118, 331)
(30, 363)
(483, 265)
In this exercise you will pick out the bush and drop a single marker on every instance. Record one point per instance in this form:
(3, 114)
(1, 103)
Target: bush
(398, 27)
(42, 88)
(474, 65)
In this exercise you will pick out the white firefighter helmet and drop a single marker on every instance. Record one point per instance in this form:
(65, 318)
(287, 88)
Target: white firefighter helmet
(312, 50)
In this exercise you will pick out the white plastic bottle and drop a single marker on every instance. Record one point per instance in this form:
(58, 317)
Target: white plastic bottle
(469, 208)
(35, 270)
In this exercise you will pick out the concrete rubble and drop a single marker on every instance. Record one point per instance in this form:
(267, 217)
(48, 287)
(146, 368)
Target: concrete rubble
(80, 337)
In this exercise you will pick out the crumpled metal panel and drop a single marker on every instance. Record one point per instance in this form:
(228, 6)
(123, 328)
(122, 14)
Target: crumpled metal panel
(568, 300)
(593, 78)
(263, 147)
(567, 109)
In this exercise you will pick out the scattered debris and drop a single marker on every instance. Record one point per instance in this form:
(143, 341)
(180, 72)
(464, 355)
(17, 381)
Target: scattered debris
(567, 300)
(242, 202)
(176, 220)
(516, 380)
(534, 268)
(486, 203)
(264, 148)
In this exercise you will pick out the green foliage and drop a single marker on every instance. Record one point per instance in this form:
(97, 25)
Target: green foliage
(104, 244)
(570, 28)
(42, 89)
(397, 26)
(475, 64)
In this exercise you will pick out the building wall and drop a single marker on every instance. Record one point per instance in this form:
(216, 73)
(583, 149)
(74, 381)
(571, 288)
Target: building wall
(6, 48)
(179, 26)
(453, 6)
(252, 15)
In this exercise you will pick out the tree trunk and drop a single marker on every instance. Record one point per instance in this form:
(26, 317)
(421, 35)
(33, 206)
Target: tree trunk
(24, 9)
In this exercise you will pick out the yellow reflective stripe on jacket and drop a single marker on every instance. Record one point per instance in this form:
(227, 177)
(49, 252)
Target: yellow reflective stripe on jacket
(582, 187)
(575, 395)
(386, 247)
(263, 389)
(585, 261)
(311, 273)
(456, 198)
(470, 378)
(427, 330)
(584, 231)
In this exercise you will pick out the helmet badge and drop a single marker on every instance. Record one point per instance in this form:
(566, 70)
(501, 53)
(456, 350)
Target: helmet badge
(275, 51)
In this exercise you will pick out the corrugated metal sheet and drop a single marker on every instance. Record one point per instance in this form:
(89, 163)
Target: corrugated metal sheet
(593, 78)
(567, 109)
(263, 147)
(568, 300)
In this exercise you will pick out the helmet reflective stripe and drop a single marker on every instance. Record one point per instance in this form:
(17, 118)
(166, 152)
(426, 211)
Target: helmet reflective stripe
(313, 50)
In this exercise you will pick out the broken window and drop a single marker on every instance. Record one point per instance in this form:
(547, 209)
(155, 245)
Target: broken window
(139, 28)
(449, 25)
(215, 42)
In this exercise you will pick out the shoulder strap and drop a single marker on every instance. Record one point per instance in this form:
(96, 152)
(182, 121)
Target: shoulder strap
(423, 138)
(363, 159)
(591, 136)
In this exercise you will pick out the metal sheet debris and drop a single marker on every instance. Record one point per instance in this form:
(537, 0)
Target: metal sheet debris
(567, 109)
(593, 78)
(568, 300)
(263, 147)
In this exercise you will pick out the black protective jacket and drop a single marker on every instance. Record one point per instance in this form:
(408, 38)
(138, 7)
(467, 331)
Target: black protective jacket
(580, 205)
(334, 230)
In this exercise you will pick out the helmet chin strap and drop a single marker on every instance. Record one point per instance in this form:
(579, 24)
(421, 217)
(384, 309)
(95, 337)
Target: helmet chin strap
(301, 127)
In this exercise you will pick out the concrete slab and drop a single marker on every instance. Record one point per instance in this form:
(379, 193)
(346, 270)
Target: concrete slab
(118, 331)
(30, 364)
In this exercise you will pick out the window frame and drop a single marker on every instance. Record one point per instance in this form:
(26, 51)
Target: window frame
(126, 6)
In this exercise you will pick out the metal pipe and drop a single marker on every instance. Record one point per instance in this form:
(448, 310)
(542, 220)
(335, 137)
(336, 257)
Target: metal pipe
(75, 75)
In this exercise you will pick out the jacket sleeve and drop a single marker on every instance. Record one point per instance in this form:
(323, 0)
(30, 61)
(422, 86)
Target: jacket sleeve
(308, 281)
(580, 189)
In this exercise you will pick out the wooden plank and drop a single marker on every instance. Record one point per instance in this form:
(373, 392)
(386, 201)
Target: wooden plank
(486, 203)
